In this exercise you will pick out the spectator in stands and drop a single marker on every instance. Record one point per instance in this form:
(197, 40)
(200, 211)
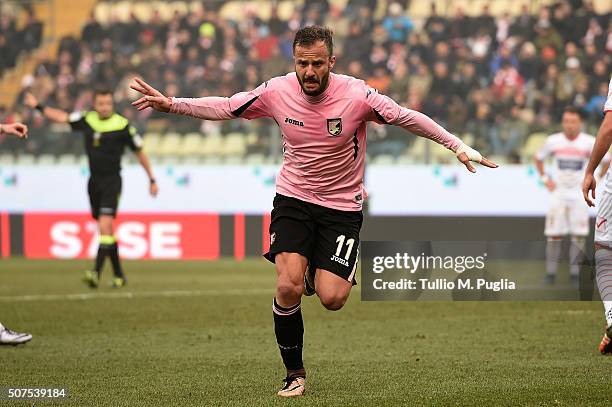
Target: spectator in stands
(507, 82)
(568, 80)
(594, 107)
(398, 25)
(522, 27)
(436, 26)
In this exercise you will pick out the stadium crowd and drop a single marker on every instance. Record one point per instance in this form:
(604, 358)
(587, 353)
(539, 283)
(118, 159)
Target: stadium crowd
(16, 40)
(498, 79)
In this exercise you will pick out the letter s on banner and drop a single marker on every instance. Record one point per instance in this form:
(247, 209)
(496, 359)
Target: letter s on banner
(66, 243)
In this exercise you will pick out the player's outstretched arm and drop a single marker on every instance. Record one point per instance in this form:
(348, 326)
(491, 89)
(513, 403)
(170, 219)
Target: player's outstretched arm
(466, 155)
(151, 97)
(601, 147)
(386, 110)
(247, 105)
(55, 115)
(16, 129)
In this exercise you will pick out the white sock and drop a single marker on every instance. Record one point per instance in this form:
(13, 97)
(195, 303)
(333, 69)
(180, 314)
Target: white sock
(553, 253)
(608, 310)
(603, 274)
(576, 254)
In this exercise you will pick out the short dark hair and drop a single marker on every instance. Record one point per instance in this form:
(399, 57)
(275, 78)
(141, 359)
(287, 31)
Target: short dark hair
(102, 91)
(310, 34)
(574, 110)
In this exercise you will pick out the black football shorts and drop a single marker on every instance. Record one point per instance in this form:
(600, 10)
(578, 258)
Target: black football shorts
(328, 238)
(104, 193)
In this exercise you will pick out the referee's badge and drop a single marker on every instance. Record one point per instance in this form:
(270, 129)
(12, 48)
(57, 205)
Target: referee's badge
(96, 139)
(334, 126)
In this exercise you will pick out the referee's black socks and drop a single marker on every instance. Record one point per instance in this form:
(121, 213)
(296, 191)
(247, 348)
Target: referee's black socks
(114, 256)
(108, 248)
(289, 329)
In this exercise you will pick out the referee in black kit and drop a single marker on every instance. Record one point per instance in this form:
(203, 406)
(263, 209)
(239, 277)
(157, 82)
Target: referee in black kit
(106, 134)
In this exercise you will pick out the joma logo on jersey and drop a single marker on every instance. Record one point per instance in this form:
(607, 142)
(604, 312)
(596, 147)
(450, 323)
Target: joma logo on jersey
(294, 122)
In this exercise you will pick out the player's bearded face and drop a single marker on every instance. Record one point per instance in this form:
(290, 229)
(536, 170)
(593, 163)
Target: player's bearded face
(103, 104)
(312, 67)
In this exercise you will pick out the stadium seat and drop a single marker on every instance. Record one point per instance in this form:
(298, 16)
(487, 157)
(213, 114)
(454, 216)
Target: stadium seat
(151, 143)
(405, 159)
(255, 159)
(212, 145)
(45, 159)
(191, 160)
(272, 160)
(468, 138)
(128, 159)
(169, 160)
(26, 159)
(177, 6)
(251, 138)
(7, 159)
(533, 144)
(417, 150)
(235, 144)
(142, 10)
(383, 159)
(191, 144)
(82, 160)
(102, 12)
(67, 159)
(170, 144)
(233, 160)
(123, 9)
(439, 154)
(499, 159)
(213, 160)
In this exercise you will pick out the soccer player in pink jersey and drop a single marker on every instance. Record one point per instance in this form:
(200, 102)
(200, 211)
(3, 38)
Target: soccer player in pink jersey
(603, 234)
(314, 231)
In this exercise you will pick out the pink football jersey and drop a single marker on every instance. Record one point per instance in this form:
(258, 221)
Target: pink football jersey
(324, 137)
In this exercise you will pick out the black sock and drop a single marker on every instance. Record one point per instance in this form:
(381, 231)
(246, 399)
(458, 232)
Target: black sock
(103, 251)
(114, 255)
(289, 329)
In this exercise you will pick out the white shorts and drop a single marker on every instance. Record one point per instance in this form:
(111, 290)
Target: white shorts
(603, 232)
(567, 217)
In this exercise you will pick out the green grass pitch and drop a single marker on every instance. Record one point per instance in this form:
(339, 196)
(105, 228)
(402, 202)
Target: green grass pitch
(200, 333)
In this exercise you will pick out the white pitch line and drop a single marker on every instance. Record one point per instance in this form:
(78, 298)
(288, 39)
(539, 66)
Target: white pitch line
(131, 295)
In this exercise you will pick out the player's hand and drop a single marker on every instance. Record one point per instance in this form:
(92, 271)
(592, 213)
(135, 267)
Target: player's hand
(30, 100)
(550, 185)
(153, 189)
(589, 184)
(17, 129)
(466, 154)
(152, 97)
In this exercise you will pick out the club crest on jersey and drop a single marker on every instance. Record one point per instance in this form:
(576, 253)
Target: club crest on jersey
(334, 126)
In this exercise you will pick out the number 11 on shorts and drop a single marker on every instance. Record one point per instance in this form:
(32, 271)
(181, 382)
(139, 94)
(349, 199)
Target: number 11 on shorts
(349, 243)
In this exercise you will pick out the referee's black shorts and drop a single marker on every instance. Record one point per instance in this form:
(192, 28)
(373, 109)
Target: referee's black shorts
(328, 238)
(104, 192)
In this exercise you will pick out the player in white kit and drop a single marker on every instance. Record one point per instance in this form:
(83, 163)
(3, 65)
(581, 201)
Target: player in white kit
(603, 233)
(567, 214)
